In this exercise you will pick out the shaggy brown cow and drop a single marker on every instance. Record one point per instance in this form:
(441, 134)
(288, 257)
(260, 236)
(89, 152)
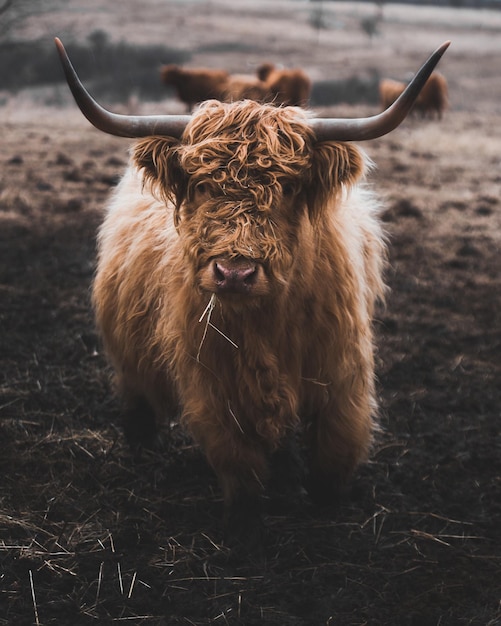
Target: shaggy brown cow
(239, 265)
(433, 99)
(290, 87)
(195, 85)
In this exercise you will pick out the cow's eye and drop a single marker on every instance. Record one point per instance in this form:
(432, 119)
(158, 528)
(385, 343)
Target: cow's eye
(288, 189)
(202, 189)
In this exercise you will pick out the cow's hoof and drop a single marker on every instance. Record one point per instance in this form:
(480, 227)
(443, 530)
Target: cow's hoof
(140, 427)
(325, 491)
(244, 528)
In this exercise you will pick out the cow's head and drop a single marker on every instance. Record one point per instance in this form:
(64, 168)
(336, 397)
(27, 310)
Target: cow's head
(246, 178)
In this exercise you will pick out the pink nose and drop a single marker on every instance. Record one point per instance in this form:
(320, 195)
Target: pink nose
(236, 276)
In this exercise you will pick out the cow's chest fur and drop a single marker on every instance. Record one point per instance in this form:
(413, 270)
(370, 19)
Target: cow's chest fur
(249, 371)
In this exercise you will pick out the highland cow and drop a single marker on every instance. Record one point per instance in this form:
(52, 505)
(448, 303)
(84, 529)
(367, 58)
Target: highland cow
(244, 87)
(389, 91)
(289, 87)
(433, 99)
(240, 261)
(195, 85)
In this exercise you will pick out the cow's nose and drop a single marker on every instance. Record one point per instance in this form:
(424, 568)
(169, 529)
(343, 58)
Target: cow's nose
(236, 276)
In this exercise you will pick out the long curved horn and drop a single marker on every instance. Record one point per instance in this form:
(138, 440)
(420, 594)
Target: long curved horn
(360, 129)
(113, 123)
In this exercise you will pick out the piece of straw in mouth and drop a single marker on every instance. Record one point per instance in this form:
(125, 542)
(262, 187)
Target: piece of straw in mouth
(208, 313)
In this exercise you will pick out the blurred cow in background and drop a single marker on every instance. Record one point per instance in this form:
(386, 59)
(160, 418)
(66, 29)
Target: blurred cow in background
(433, 99)
(389, 90)
(245, 87)
(280, 87)
(195, 85)
(290, 87)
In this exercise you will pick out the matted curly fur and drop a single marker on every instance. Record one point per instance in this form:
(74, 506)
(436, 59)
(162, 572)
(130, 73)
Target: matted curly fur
(237, 275)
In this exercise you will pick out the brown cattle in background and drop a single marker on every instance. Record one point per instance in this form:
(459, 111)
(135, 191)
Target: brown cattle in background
(433, 99)
(244, 87)
(389, 91)
(290, 87)
(195, 85)
(281, 87)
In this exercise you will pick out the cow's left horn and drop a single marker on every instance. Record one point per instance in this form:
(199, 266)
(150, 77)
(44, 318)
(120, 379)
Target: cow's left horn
(113, 123)
(359, 129)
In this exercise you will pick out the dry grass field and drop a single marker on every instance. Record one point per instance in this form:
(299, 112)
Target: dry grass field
(87, 535)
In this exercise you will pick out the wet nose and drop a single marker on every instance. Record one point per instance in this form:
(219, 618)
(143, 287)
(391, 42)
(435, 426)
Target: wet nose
(236, 276)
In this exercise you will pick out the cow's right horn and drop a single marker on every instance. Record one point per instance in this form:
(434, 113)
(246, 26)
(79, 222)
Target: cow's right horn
(360, 129)
(113, 123)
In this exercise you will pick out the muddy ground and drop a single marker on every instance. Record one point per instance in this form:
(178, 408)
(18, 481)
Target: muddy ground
(87, 535)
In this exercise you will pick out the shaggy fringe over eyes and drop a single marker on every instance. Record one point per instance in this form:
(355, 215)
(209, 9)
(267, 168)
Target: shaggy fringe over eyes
(247, 146)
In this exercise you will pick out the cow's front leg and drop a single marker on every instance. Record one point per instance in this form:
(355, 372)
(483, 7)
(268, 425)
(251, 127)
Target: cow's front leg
(340, 439)
(241, 465)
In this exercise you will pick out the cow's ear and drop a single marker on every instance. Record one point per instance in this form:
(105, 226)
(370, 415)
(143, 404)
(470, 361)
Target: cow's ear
(157, 157)
(334, 166)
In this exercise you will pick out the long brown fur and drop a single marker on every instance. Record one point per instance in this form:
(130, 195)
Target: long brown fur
(247, 181)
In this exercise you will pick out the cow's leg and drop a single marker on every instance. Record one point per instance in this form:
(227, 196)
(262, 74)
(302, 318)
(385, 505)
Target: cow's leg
(340, 439)
(145, 409)
(287, 475)
(241, 465)
(139, 424)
